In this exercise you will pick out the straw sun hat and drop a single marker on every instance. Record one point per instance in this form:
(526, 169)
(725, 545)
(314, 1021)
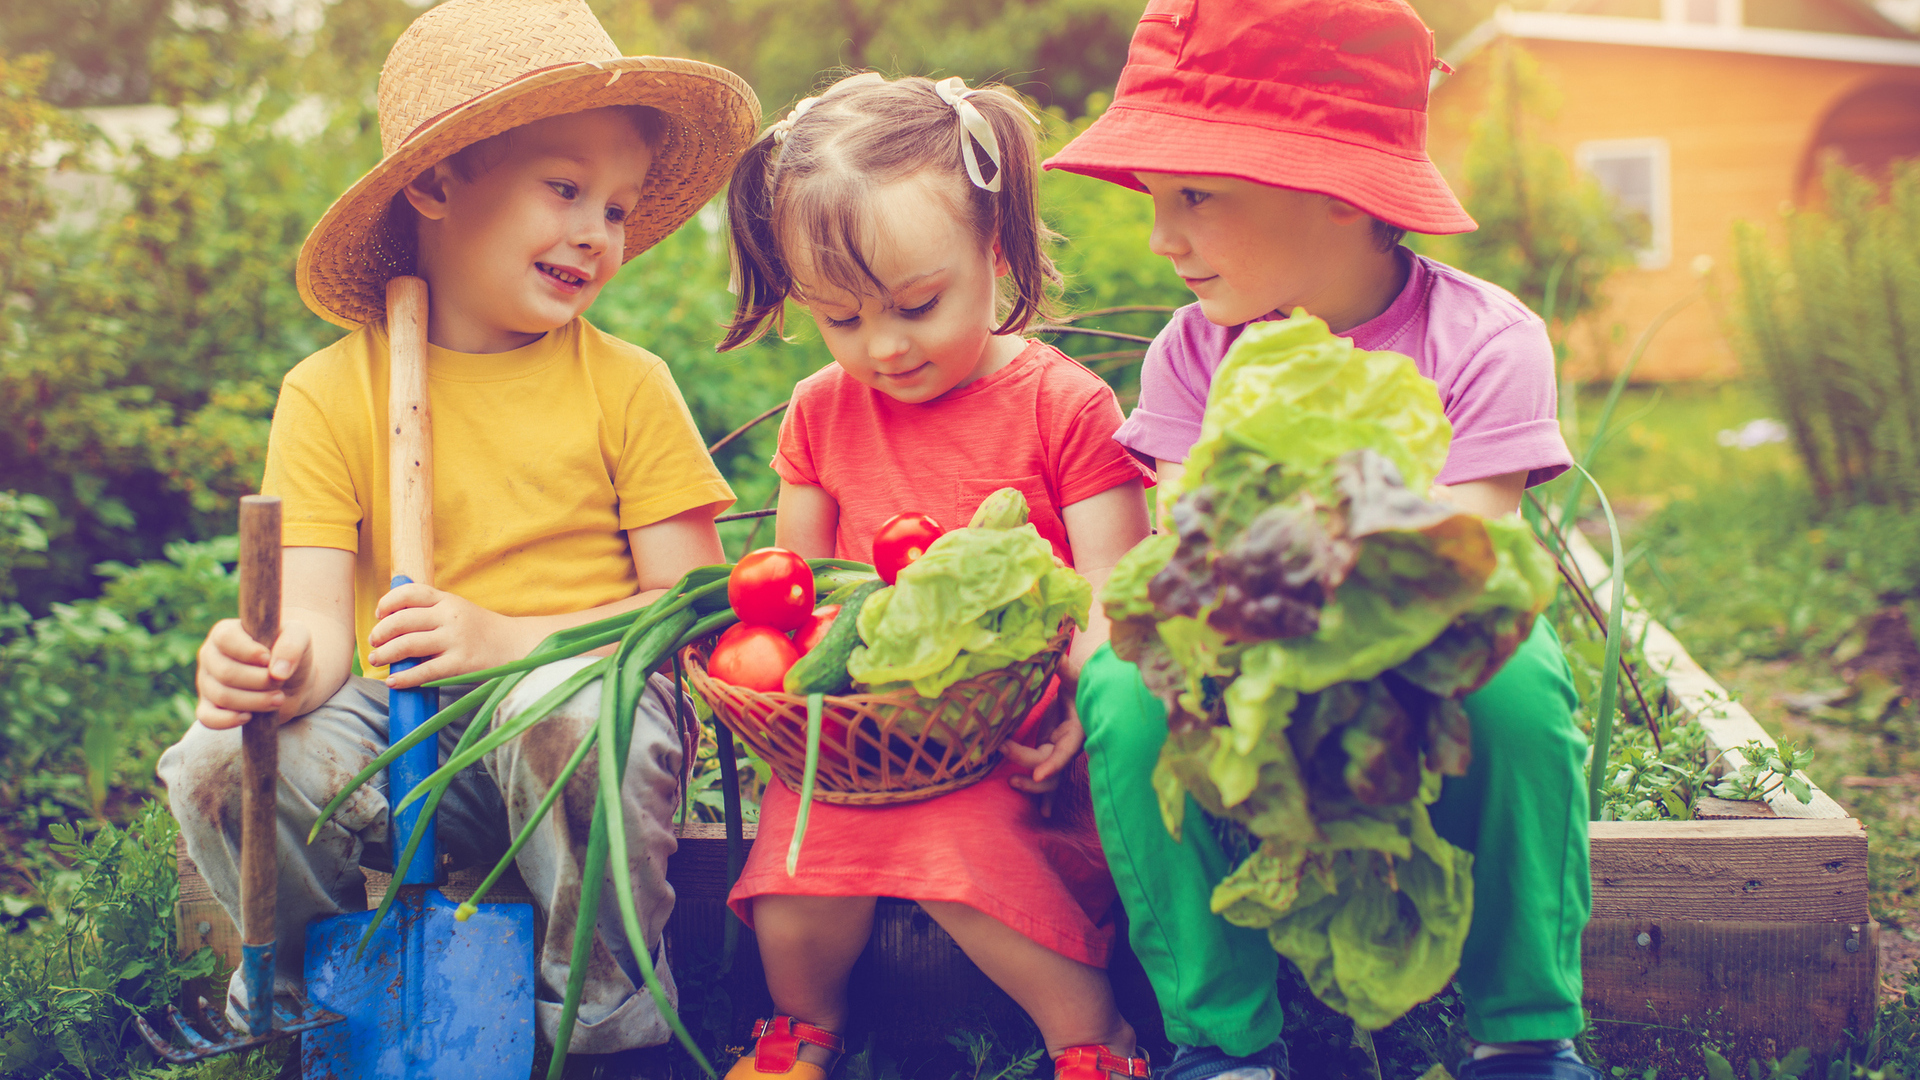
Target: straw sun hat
(470, 69)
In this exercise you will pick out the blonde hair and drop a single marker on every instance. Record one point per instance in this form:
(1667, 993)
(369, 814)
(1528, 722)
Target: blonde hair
(810, 175)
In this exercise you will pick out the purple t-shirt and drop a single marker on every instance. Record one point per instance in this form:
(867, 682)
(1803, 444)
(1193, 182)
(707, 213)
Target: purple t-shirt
(1487, 353)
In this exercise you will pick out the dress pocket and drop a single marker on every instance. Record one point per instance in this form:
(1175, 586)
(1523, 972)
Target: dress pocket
(1043, 513)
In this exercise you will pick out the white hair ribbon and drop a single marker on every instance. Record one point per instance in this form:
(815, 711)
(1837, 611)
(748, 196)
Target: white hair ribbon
(974, 123)
(782, 128)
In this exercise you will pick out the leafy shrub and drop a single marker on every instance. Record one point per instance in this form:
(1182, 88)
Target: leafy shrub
(72, 982)
(96, 689)
(1832, 322)
(23, 536)
(142, 335)
(1547, 234)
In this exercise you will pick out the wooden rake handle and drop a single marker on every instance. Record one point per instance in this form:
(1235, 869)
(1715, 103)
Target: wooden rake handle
(259, 737)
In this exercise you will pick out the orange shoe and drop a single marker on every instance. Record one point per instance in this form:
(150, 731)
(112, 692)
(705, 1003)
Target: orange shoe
(1098, 1063)
(776, 1051)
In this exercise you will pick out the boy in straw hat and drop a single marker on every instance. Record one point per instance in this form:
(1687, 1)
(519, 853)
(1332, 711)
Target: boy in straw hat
(1284, 145)
(525, 161)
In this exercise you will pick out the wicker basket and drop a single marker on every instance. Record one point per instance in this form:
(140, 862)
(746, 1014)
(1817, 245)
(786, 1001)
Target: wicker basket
(895, 747)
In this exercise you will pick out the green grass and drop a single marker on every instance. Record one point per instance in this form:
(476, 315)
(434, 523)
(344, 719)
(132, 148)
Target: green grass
(1774, 594)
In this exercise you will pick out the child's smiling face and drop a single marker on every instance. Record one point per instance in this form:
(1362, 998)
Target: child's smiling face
(1248, 249)
(932, 330)
(526, 244)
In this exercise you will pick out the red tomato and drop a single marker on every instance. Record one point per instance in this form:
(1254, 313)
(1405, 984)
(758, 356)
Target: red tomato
(815, 627)
(902, 539)
(753, 657)
(771, 587)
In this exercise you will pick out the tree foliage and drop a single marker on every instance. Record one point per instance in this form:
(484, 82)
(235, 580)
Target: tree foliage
(1057, 52)
(1541, 223)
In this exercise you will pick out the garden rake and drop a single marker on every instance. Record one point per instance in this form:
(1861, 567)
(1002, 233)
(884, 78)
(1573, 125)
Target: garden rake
(425, 992)
(259, 863)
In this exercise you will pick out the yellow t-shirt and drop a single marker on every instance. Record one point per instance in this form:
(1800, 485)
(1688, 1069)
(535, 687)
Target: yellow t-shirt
(543, 458)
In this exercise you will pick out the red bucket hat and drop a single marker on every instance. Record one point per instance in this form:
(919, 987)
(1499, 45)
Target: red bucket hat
(1315, 95)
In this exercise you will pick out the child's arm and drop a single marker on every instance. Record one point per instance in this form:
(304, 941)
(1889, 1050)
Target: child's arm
(807, 520)
(1100, 529)
(237, 676)
(1493, 496)
(462, 636)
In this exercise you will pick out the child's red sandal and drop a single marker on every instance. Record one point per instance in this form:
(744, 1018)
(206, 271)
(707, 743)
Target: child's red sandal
(1098, 1063)
(776, 1051)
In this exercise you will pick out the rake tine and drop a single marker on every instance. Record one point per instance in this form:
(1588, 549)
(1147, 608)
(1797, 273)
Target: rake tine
(223, 1031)
(304, 1017)
(160, 1044)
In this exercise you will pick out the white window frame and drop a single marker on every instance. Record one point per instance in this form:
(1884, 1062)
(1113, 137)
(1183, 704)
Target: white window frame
(1659, 252)
(1731, 14)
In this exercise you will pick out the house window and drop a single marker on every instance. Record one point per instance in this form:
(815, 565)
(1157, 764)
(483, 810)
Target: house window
(1726, 13)
(1634, 174)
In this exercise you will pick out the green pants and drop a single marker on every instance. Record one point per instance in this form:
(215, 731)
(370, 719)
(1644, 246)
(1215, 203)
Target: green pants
(1521, 809)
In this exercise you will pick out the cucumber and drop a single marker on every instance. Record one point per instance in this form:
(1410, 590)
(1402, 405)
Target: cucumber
(824, 669)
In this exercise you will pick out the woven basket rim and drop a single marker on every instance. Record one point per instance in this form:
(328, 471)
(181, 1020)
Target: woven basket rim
(902, 696)
(762, 720)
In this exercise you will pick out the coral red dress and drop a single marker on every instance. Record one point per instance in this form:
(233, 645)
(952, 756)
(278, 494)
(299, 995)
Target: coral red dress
(1042, 424)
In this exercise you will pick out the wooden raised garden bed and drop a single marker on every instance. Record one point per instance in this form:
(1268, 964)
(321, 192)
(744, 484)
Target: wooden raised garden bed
(1747, 927)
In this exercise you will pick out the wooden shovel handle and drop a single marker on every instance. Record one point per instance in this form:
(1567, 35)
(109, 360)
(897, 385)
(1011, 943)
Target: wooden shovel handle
(259, 739)
(410, 438)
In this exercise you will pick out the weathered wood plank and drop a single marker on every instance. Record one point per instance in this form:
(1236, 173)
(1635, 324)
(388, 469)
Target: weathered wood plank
(1727, 723)
(1767, 870)
(1708, 808)
(1760, 988)
(699, 867)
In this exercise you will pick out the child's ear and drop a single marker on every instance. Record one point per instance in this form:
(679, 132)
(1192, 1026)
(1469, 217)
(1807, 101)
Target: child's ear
(1001, 267)
(428, 192)
(1345, 213)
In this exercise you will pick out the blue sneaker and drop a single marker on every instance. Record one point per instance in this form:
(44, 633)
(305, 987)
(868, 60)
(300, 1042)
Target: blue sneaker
(1563, 1063)
(1213, 1063)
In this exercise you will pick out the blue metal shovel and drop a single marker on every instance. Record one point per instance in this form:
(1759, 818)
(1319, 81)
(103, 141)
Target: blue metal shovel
(429, 995)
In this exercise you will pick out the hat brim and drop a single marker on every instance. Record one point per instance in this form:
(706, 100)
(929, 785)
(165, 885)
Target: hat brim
(711, 115)
(1406, 192)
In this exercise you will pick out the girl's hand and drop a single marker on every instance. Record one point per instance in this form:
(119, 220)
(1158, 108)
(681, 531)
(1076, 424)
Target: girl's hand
(1049, 760)
(456, 635)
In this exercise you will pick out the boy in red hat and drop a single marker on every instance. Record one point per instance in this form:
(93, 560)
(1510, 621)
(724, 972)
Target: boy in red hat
(1284, 145)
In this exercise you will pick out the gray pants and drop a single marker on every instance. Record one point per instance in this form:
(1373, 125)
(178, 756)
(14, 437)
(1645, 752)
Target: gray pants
(483, 810)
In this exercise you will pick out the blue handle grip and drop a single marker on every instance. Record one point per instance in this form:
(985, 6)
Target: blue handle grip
(407, 710)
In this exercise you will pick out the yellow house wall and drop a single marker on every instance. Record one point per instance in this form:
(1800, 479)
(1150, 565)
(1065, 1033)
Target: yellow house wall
(1737, 128)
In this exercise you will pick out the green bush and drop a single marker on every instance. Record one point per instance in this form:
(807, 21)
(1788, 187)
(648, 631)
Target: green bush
(1547, 234)
(93, 691)
(142, 338)
(101, 951)
(1832, 323)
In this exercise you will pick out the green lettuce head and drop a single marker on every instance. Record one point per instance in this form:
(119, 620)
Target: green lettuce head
(979, 599)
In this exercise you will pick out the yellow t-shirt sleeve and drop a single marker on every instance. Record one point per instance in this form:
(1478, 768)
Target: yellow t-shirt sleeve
(663, 468)
(309, 469)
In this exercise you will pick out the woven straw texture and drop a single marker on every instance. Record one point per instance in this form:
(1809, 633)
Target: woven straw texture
(896, 747)
(470, 69)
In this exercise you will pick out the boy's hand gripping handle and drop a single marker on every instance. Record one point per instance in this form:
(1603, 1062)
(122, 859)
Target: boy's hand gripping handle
(260, 748)
(410, 525)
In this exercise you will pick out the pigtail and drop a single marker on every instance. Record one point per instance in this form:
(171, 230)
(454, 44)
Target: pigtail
(1012, 214)
(760, 273)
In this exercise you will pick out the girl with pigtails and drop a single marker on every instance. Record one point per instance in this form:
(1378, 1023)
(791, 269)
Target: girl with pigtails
(902, 216)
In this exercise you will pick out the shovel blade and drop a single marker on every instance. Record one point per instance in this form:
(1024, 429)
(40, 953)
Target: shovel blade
(430, 997)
